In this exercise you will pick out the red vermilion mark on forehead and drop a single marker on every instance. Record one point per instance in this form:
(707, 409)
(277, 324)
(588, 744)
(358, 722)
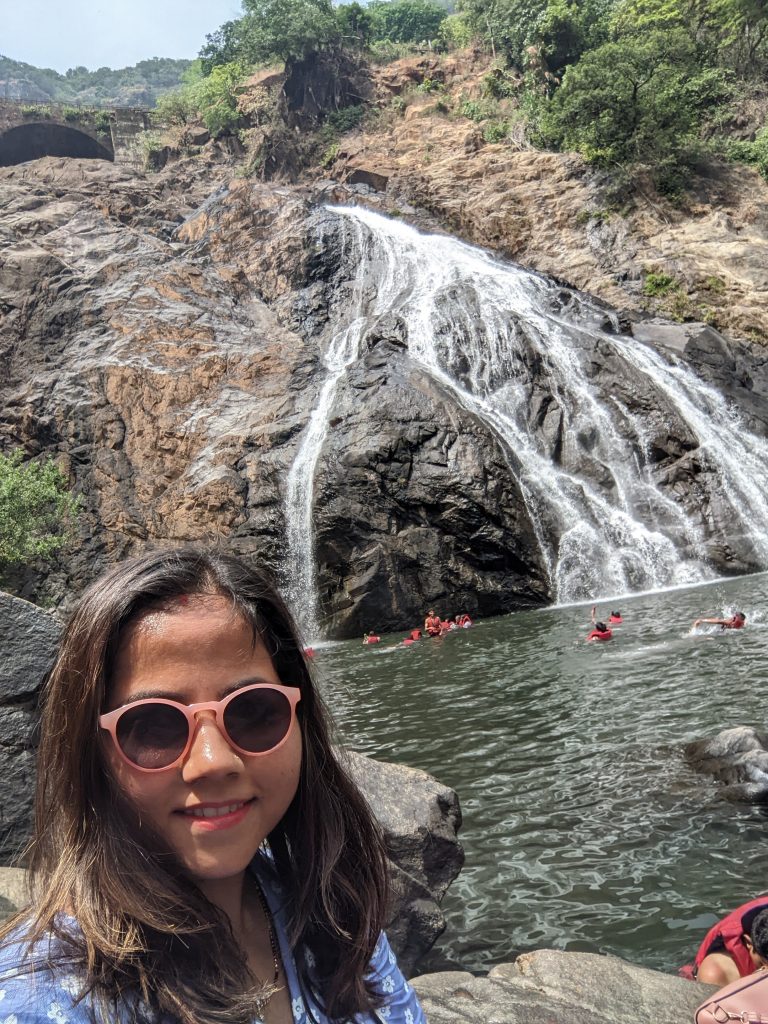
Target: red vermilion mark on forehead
(182, 599)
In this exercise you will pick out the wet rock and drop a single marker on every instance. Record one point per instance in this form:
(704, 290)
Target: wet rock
(737, 758)
(559, 988)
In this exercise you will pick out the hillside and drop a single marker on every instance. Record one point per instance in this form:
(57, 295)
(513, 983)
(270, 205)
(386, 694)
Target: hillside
(136, 86)
(429, 142)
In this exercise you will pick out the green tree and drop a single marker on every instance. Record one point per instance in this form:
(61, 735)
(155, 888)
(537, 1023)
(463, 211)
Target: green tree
(731, 33)
(37, 511)
(641, 100)
(406, 21)
(289, 30)
(215, 97)
(554, 31)
(355, 25)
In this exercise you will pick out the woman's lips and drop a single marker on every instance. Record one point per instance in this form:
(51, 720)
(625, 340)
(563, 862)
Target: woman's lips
(212, 817)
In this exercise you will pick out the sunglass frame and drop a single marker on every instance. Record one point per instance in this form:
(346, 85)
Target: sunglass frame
(109, 721)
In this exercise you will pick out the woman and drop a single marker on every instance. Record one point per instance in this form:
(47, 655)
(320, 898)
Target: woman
(199, 854)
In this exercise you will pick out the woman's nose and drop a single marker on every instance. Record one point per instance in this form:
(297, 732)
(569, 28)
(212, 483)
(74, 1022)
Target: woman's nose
(210, 752)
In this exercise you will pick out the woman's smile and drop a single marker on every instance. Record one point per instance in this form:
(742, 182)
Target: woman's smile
(218, 804)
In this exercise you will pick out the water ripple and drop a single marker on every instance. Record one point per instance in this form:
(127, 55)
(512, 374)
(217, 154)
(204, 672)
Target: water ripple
(583, 826)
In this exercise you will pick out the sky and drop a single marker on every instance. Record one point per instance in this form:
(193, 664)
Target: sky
(63, 34)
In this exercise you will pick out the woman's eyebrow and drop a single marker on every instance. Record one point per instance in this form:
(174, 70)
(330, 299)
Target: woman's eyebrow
(178, 698)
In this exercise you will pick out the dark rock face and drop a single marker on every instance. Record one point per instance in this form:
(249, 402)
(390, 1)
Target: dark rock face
(737, 758)
(27, 640)
(165, 342)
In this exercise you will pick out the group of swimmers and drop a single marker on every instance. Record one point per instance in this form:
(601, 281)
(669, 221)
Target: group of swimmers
(433, 626)
(603, 631)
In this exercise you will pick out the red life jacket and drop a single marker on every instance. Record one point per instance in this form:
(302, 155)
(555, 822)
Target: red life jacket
(415, 634)
(597, 634)
(615, 618)
(729, 931)
(735, 623)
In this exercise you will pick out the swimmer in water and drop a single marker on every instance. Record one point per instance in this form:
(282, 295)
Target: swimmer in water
(599, 629)
(737, 621)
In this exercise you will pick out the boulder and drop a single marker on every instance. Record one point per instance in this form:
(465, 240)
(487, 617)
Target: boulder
(737, 758)
(27, 642)
(551, 987)
(420, 818)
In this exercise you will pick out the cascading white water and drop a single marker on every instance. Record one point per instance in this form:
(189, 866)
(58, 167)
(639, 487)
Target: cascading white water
(473, 324)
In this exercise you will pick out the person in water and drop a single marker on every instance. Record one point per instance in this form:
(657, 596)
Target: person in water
(735, 947)
(199, 855)
(615, 619)
(432, 624)
(370, 638)
(736, 621)
(599, 629)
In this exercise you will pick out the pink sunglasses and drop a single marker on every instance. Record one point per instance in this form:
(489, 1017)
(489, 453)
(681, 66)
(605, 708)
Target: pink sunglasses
(154, 735)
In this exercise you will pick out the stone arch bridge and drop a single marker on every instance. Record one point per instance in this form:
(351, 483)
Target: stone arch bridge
(29, 131)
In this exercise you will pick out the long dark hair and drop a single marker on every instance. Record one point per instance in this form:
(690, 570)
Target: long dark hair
(145, 930)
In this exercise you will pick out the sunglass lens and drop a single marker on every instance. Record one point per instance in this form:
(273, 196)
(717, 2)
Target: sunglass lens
(258, 720)
(152, 735)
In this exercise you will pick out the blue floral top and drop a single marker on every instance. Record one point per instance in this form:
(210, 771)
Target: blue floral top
(48, 996)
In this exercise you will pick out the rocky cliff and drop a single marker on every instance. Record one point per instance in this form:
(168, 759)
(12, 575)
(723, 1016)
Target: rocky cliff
(166, 338)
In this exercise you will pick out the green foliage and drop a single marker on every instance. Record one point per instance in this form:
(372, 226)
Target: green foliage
(455, 32)
(340, 121)
(552, 32)
(139, 85)
(355, 25)
(755, 153)
(429, 85)
(639, 100)
(384, 51)
(102, 122)
(215, 97)
(330, 155)
(37, 110)
(233, 41)
(37, 511)
(658, 283)
(289, 29)
(496, 131)
(479, 110)
(406, 21)
(499, 83)
(176, 108)
(730, 33)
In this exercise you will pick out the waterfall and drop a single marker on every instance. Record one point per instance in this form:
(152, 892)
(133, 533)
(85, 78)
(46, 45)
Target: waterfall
(497, 338)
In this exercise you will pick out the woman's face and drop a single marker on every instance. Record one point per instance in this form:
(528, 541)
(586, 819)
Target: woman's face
(199, 651)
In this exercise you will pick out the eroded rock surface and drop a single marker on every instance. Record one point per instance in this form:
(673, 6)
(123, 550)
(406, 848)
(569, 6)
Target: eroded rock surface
(164, 336)
(550, 987)
(551, 212)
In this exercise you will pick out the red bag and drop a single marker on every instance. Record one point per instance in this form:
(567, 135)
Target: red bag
(744, 1001)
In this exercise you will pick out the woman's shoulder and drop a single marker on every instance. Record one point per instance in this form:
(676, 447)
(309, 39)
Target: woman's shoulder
(37, 986)
(399, 1003)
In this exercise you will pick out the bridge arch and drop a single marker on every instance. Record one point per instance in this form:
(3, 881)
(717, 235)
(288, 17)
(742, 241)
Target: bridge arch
(46, 138)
